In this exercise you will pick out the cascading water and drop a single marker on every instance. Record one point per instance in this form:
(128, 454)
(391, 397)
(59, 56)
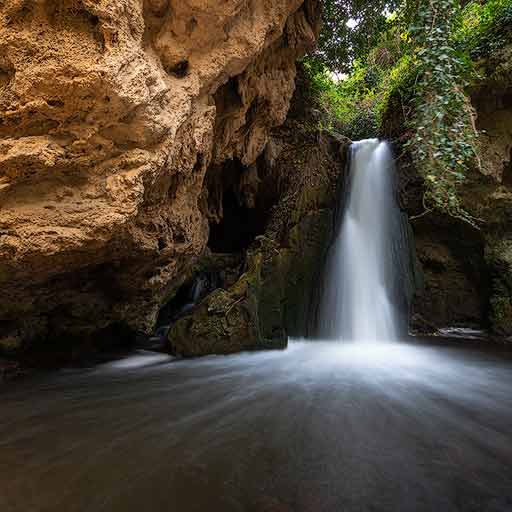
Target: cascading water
(359, 300)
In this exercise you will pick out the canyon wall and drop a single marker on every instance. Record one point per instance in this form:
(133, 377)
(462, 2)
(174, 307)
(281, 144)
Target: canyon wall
(122, 123)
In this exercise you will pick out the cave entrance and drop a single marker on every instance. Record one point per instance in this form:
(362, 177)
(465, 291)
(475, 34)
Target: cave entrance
(240, 210)
(238, 227)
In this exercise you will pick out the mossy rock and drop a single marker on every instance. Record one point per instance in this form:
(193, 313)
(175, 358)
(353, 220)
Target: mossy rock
(221, 324)
(501, 315)
(271, 299)
(225, 322)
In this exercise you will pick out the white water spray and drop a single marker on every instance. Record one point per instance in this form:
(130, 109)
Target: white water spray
(358, 301)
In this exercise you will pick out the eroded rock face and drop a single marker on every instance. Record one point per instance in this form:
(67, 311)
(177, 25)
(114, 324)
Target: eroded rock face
(111, 112)
(454, 289)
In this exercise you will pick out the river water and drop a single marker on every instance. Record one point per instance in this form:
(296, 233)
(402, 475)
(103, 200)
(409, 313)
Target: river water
(317, 427)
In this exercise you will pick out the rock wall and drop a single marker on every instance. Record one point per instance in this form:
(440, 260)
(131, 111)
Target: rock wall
(467, 273)
(111, 114)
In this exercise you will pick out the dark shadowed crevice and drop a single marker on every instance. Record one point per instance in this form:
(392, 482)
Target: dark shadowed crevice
(179, 70)
(227, 99)
(237, 207)
(6, 72)
(188, 295)
(238, 227)
(183, 303)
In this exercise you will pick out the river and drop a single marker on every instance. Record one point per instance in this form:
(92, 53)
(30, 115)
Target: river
(317, 427)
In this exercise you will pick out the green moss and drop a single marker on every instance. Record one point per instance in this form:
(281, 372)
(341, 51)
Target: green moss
(226, 321)
(222, 324)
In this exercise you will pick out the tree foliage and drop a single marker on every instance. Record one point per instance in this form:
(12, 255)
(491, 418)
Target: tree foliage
(424, 54)
(341, 42)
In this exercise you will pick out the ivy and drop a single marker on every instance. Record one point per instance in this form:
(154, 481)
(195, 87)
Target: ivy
(444, 140)
(484, 27)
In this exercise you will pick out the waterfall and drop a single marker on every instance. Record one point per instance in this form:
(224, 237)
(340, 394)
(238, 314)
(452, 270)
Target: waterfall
(361, 294)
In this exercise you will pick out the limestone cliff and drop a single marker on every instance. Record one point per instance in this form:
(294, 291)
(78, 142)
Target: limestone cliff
(111, 115)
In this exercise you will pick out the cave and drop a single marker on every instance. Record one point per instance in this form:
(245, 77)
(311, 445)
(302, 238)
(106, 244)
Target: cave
(238, 210)
(238, 227)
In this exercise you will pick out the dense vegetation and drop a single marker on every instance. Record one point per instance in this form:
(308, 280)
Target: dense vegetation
(350, 29)
(420, 55)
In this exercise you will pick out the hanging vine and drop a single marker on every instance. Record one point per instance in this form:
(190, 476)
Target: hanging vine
(445, 138)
